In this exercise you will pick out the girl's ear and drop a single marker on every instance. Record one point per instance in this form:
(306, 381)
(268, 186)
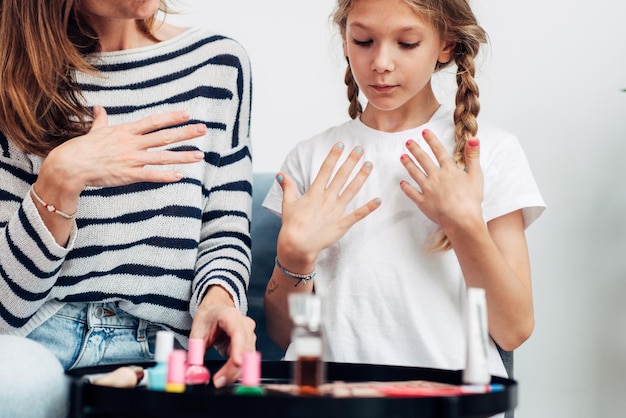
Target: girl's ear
(446, 51)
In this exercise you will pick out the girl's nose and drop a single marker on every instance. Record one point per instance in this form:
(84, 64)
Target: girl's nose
(382, 60)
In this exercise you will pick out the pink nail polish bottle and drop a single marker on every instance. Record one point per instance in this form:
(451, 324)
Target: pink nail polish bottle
(176, 371)
(196, 373)
(250, 381)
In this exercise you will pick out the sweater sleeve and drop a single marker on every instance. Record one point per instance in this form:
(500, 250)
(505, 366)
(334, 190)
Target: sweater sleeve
(30, 259)
(224, 253)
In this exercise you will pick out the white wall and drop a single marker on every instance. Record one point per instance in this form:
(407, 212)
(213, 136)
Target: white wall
(553, 75)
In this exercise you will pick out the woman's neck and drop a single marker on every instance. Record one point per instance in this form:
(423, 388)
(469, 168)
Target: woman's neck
(122, 35)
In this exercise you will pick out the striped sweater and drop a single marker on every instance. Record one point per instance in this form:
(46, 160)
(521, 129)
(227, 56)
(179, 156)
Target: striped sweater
(153, 248)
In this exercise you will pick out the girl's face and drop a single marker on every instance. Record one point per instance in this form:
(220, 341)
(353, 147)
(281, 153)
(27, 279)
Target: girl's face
(393, 52)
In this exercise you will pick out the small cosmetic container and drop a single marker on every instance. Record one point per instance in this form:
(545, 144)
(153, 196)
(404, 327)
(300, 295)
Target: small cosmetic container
(176, 371)
(250, 381)
(197, 373)
(309, 369)
(476, 370)
(157, 375)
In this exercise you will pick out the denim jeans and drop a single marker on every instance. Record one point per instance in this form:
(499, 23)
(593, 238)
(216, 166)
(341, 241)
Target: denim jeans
(90, 334)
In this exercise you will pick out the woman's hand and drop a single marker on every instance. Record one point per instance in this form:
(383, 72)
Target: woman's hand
(446, 194)
(317, 219)
(118, 155)
(111, 156)
(224, 327)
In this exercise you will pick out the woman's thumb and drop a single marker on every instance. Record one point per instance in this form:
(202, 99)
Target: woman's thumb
(100, 118)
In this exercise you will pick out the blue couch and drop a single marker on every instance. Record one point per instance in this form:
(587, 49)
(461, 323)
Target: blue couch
(264, 232)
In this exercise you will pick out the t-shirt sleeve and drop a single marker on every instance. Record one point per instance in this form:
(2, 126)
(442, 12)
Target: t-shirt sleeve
(510, 184)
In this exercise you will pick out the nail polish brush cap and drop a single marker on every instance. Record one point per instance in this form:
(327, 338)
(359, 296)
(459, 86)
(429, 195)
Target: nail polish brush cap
(196, 351)
(251, 369)
(164, 346)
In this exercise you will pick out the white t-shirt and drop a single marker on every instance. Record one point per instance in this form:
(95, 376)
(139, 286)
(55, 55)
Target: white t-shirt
(385, 299)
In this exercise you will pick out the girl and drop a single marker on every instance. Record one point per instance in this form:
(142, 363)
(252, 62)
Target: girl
(392, 246)
(134, 218)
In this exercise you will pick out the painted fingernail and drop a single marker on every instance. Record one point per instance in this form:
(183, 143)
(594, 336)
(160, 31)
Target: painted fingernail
(402, 182)
(377, 201)
(473, 142)
(403, 157)
(368, 165)
(409, 142)
(359, 150)
(219, 382)
(340, 145)
(425, 132)
(280, 178)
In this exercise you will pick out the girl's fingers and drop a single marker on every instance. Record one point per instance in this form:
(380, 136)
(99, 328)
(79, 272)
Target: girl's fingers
(339, 180)
(327, 168)
(439, 151)
(472, 155)
(362, 212)
(357, 182)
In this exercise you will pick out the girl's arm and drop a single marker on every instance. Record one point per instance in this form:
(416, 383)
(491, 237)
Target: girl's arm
(492, 255)
(311, 223)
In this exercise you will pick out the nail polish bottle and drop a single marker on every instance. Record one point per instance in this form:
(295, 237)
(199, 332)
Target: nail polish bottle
(157, 375)
(196, 373)
(176, 371)
(309, 369)
(250, 381)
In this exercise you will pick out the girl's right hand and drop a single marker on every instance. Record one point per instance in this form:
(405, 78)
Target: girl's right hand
(318, 219)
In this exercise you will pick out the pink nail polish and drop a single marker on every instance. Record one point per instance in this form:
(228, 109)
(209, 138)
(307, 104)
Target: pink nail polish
(196, 373)
(473, 142)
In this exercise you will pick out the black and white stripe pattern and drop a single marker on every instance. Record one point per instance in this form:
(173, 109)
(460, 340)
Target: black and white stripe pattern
(151, 247)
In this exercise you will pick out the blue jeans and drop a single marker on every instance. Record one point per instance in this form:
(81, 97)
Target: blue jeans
(90, 334)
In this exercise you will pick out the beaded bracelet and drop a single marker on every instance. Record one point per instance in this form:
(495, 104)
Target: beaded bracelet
(302, 278)
(50, 207)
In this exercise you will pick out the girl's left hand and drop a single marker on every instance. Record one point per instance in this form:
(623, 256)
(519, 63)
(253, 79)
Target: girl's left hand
(447, 194)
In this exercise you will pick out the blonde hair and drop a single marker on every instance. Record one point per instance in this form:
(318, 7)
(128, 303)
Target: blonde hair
(456, 22)
(42, 44)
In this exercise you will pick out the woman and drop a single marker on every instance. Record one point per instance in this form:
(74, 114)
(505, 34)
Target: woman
(126, 185)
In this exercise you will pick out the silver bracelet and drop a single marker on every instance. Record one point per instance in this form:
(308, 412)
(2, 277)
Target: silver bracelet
(302, 278)
(48, 206)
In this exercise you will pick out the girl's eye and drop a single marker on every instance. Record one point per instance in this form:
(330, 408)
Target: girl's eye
(407, 45)
(361, 43)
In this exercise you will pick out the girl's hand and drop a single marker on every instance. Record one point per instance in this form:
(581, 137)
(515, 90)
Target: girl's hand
(318, 218)
(447, 195)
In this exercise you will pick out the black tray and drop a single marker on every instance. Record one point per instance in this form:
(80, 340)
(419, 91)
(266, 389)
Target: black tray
(99, 402)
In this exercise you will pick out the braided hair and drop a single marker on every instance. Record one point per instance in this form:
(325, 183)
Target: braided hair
(456, 22)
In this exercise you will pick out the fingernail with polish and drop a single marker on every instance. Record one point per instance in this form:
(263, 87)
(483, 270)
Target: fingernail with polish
(219, 382)
(359, 150)
(340, 145)
(280, 178)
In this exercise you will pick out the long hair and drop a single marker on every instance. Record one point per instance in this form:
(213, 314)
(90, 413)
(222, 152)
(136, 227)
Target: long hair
(455, 21)
(43, 43)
